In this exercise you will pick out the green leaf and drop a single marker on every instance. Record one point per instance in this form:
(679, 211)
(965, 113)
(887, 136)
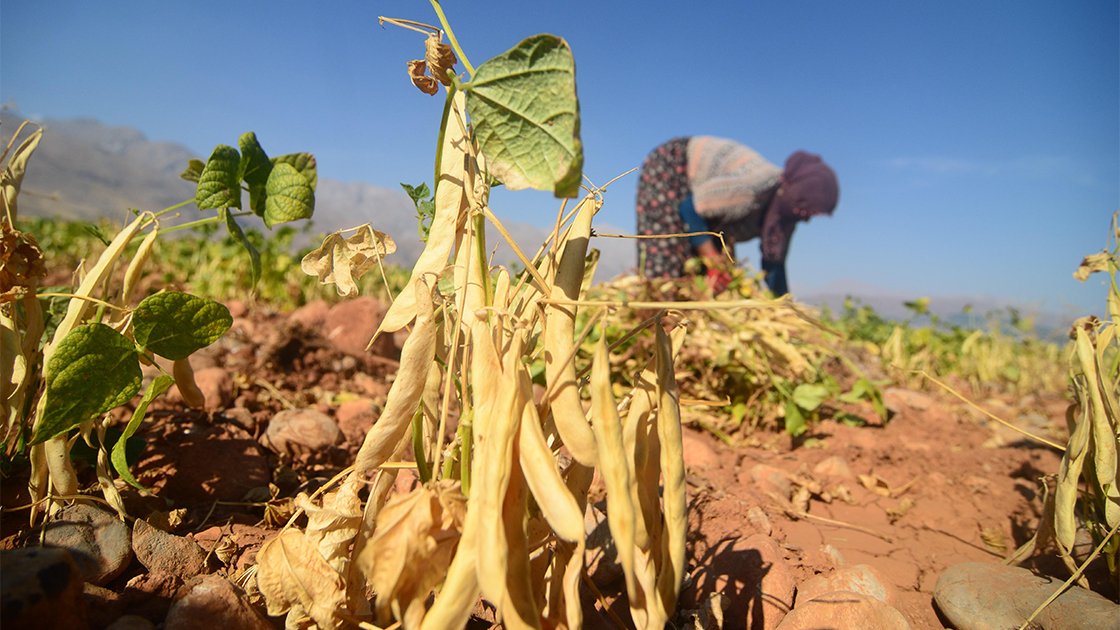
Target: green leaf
(219, 184)
(193, 171)
(809, 396)
(174, 325)
(93, 369)
(525, 113)
(238, 234)
(254, 168)
(795, 421)
(119, 457)
(290, 196)
(302, 162)
(425, 204)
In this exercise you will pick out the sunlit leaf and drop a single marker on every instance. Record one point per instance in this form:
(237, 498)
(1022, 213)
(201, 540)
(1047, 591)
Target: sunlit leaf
(290, 196)
(219, 184)
(174, 325)
(93, 369)
(254, 168)
(342, 260)
(525, 113)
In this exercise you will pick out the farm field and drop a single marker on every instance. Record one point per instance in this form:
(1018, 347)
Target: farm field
(208, 423)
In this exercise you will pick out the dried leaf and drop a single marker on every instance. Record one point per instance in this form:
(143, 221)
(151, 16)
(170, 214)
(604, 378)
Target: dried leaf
(334, 524)
(439, 57)
(417, 70)
(1091, 264)
(341, 261)
(412, 547)
(293, 576)
(876, 484)
(21, 263)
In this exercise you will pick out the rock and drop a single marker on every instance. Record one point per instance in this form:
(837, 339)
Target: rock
(211, 601)
(770, 593)
(753, 575)
(40, 587)
(895, 398)
(98, 541)
(841, 609)
(216, 386)
(311, 316)
(294, 430)
(834, 468)
(350, 325)
(698, 454)
(772, 480)
(977, 595)
(241, 417)
(131, 622)
(758, 519)
(103, 606)
(860, 578)
(237, 308)
(161, 552)
(355, 418)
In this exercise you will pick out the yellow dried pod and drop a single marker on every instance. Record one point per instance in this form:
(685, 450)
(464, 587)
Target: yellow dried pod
(494, 462)
(451, 202)
(1104, 437)
(1069, 475)
(184, 380)
(559, 341)
(674, 497)
(613, 466)
(136, 265)
(404, 395)
(543, 476)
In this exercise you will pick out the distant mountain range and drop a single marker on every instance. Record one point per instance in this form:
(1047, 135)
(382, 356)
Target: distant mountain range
(84, 170)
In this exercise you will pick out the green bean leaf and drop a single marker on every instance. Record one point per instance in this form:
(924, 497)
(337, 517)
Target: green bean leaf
(290, 195)
(219, 184)
(525, 113)
(174, 325)
(158, 385)
(93, 369)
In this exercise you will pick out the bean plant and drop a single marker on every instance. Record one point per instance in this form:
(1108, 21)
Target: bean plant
(58, 384)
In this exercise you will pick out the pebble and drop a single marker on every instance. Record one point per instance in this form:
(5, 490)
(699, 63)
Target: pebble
(861, 578)
(311, 316)
(977, 595)
(350, 325)
(770, 479)
(699, 456)
(758, 519)
(295, 430)
(98, 541)
(770, 590)
(211, 601)
(895, 398)
(355, 419)
(840, 609)
(216, 386)
(40, 587)
(835, 468)
(131, 622)
(161, 552)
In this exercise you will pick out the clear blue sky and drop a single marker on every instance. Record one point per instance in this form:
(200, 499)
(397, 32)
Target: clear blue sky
(976, 141)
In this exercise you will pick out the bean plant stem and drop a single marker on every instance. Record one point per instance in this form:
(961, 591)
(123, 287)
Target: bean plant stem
(451, 37)
(201, 222)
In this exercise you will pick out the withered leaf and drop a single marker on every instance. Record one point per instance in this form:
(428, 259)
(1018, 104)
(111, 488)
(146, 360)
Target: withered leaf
(334, 524)
(417, 69)
(21, 263)
(412, 547)
(1091, 264)
(342, 260)
(293, 576)
(439, 57)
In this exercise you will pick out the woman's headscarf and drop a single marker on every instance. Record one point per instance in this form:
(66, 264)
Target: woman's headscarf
(808, 188)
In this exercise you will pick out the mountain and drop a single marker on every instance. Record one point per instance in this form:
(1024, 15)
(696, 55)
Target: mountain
(84, 170)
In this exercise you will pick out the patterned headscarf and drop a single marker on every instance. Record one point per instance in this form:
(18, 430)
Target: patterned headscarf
(808, 188)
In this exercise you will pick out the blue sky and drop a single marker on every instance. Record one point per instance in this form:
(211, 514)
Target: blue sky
(977, 142)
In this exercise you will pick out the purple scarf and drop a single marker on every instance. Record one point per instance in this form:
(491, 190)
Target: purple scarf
(808, 188)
